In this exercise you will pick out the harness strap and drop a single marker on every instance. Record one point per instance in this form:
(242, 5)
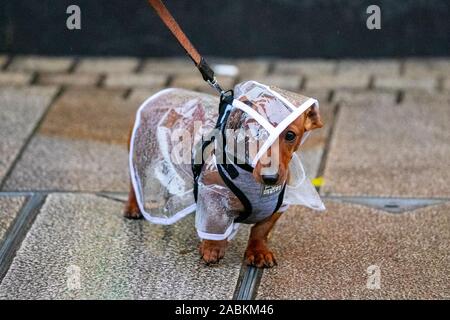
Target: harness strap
(238, 193)
(280, 199)
(225, 99)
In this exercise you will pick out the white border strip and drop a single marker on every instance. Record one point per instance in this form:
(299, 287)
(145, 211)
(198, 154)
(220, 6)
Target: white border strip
(254, 114)
(277, 95)
(134, 182)
(274, 134)
(229, 233)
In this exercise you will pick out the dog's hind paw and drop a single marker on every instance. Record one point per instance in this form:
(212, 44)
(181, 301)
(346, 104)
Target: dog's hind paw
(132, 212)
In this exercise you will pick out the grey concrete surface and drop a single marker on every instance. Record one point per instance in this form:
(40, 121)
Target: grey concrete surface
(9, 208)
(130, 80)
(107, 65)
(56, 163)
(115, 258)
(169, 66)
(339, 81)
(390, 150)
(81, 145)
(21, 109)
(40, 63)
(3, 60)
(390, 140)
(69, 79)
(15, 78)
(305, 67)
(312, 150)
(364, 97)
(369, 67)
(417, 67)
(327, 255)
(427, 83)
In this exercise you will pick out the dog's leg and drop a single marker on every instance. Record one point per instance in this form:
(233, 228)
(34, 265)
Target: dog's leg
(257, 253)
(212, 251)
(132, 210)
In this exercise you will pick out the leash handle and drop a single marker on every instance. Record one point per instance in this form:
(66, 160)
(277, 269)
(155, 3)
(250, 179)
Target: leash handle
(172, 25)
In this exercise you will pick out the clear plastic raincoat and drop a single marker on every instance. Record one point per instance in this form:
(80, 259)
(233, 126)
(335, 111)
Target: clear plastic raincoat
(170, 129)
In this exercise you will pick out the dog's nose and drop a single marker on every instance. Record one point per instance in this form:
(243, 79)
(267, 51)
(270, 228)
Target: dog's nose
(270, 179)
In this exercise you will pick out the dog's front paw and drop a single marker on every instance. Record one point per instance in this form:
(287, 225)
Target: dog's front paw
(258, 255)
(132, 211)
(211, 251)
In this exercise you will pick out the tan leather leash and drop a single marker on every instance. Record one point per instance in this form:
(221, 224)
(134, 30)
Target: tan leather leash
(200, 62)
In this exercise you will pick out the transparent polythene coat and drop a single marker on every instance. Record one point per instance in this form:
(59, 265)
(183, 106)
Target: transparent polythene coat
(161, 171)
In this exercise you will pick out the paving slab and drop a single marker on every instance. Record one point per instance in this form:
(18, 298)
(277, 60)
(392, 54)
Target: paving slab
(424, 83)
(128, 80)
(328, 255)
(425, 67)
(169, 66)
(321, 95)
(305, 67)
(252, 68)
(69, 79)
(425, 98)
(9, 208)
(311, 152)
(55, 163)
(390, 150)
(446, 84)
(22, 108)
(107, 65)
(81, 145)
(81, 115)
(369, 67)
(363, 96)
(195, 82)
(287, 82)
(114, 258)
(15, 78)
(39, 63)
(3, 60)
(341, 81)
(141, 94)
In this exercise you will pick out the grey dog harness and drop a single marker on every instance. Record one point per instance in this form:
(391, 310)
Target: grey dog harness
(259, 201)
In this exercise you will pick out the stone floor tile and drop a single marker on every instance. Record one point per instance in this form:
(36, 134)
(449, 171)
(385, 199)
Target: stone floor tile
(9, 208)
(15, 78)
(69, 79)
(115, 258)
(22, 108)
(327, 255)
(40, 63)
(107, 65)
(305, 67)
(390, 150)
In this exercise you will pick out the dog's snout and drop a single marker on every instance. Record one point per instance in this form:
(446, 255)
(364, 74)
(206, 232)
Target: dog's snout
(270, 179)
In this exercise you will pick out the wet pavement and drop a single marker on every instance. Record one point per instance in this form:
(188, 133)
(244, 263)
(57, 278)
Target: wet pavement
(382, 160)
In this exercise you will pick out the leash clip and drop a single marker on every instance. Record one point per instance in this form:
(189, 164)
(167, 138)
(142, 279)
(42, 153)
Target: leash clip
(215, 85)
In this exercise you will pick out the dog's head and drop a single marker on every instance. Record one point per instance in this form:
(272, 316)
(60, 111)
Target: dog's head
(272, 167)
(259, 114)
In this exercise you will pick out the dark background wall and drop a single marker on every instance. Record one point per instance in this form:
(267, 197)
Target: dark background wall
(286, 28)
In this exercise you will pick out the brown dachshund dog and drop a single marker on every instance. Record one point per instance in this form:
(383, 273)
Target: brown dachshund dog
(257, 253)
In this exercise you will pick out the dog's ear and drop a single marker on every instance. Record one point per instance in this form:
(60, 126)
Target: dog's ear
(313, 120)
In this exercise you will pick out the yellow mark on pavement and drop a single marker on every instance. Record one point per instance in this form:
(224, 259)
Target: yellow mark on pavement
(317, 182)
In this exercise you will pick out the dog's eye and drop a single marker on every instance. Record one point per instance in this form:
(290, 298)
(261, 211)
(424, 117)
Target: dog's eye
(290, 136)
